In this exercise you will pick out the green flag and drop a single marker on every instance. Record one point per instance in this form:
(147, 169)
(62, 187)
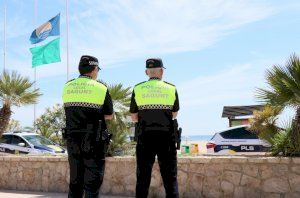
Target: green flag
(45, 54)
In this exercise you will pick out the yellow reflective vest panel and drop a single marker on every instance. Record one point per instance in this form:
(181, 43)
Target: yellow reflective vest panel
(84, 92)
(155, 94)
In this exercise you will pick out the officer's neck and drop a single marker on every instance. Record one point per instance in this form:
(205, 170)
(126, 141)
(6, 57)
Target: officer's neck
(154, 78)
(86, 76)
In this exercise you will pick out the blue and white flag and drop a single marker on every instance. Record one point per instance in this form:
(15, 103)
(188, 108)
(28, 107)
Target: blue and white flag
(50, 28)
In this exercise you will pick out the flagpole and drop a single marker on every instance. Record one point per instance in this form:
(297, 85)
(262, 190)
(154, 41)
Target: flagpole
(4, 38)
(67, 25)
(35, 79)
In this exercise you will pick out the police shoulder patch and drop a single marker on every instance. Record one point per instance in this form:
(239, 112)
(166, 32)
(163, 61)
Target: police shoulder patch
(103, 83)
(169, 83)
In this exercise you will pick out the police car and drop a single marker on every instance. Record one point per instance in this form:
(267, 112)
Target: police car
(28, 143)
(236, 140)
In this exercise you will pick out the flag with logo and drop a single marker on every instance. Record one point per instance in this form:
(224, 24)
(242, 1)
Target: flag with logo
(50, 28)
(45, 54)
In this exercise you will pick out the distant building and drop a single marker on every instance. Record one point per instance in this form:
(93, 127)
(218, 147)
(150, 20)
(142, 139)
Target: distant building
(239, 115)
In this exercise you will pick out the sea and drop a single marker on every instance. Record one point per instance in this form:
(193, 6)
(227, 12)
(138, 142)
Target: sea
(197, 137)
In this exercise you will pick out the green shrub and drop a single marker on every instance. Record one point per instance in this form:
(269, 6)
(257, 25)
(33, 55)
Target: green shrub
(263, 123)
(282, 144)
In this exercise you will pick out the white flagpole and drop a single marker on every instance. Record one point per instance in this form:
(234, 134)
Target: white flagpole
(4, 38)
(35, 83)
(67, 24)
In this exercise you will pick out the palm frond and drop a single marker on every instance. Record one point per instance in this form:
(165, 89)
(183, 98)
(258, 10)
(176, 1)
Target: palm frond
(17, 90)
(284, 84)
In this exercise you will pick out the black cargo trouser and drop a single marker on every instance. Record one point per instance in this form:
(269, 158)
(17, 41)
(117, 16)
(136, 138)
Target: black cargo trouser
(156, 143)
(86, 171)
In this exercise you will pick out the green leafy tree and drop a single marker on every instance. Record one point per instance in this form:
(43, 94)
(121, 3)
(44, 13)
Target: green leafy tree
(50, 124)
(284, 91)
(282, 143)
(13, 125)
(263, 123)
(15, 90)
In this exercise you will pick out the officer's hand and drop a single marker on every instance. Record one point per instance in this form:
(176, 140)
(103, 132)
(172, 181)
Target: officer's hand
(109, 117)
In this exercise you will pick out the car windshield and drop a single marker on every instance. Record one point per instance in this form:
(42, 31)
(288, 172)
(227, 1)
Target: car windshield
(37, 140)
(238, 133)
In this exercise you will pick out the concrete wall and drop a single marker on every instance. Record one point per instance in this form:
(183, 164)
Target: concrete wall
(198, 176)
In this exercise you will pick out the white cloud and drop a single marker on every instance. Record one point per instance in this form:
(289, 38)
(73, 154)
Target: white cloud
(123, 30)
(120, 31)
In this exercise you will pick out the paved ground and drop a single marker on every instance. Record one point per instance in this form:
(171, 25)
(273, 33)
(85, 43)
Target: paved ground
(27, 194)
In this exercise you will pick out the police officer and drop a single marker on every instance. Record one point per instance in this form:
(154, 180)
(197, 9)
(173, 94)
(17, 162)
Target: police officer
(86, 101)
(154, 104)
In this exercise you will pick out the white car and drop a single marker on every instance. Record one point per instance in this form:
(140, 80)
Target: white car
(28, 143)
(236, 140)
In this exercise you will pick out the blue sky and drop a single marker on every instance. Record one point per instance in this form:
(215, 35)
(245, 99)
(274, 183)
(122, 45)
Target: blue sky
(216, 52)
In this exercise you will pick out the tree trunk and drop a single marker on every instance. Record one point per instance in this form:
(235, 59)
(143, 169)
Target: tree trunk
(296, 132)
(5, 114)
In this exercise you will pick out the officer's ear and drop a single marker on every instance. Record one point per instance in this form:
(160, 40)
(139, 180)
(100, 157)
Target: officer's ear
(94, 73)
(146, 72)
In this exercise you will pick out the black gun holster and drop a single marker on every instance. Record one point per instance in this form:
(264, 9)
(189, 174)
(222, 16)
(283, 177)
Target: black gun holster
(177, 134)
(137, 132)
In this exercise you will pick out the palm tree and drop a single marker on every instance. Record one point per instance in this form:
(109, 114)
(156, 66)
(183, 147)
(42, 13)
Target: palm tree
(120, 126)
(284, 83)
(15, 90)
(121, 101)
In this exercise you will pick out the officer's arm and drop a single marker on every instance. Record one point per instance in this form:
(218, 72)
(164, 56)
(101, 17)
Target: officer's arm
(176, 106)
(109, 117)
(108, 109)
(174, 115)
(134, 117)
(134, 109)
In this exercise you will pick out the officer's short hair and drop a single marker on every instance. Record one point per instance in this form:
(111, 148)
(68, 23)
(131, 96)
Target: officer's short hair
(87, 64)
(153, 71)
(86, 70)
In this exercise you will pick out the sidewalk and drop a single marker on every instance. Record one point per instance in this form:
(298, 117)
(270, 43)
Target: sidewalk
(28, 194)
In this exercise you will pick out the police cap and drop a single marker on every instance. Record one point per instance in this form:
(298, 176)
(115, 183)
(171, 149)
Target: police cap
(154, 63)
(87, 61)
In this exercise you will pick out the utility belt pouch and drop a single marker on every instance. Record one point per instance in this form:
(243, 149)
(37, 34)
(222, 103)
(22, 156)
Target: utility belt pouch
(106, 139)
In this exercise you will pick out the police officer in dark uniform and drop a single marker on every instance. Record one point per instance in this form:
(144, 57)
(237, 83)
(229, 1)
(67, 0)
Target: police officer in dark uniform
(154, 104)
(87, 105)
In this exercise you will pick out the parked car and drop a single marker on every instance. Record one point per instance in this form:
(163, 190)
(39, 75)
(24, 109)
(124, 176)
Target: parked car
(236, 140)
(28, 143)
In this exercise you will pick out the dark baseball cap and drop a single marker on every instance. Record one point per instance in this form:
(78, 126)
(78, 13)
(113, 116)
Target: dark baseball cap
(154, 63)
(88, 61)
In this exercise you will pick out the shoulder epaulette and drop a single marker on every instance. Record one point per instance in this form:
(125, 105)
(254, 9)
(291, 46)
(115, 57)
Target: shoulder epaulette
(70, 80)
(103, 83)
(169, 83)
(140, 83)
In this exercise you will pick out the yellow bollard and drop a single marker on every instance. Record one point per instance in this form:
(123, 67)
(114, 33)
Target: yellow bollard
(194, 149)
